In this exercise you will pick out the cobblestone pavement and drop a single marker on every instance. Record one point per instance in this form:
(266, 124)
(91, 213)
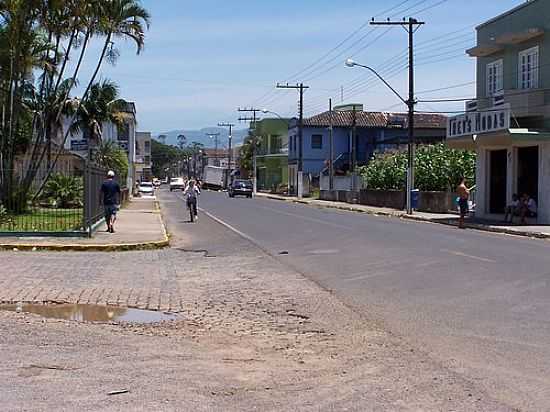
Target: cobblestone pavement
(252, 334)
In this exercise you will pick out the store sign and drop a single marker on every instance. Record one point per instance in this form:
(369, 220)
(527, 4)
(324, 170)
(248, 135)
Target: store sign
(472, 123)
(79, 145)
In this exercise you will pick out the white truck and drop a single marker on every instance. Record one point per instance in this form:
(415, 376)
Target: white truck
(215, 177)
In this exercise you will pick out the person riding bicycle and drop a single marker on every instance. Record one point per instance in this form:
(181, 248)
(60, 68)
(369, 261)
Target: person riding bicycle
(191, 192)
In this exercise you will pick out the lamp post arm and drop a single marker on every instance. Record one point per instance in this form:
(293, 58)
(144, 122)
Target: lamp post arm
(384, 81)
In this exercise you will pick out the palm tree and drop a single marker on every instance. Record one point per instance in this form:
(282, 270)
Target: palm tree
(102, 105)
(125, 19)
(110, 156)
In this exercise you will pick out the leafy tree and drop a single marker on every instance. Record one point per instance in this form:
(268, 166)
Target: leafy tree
(110, 156)
(163, 156)
(247, 153)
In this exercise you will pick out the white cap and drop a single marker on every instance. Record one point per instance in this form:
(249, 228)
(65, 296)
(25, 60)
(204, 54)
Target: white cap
(110, 173)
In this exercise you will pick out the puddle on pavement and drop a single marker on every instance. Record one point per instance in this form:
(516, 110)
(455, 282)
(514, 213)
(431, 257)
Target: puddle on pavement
(91, 313)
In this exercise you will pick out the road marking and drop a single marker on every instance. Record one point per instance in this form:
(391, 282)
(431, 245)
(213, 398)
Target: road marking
(311, 219)
(481, 259)
(227, 225)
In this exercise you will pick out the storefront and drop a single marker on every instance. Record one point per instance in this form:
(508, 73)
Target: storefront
(509, 161)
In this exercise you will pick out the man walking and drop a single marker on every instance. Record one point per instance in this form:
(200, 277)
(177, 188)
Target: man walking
(110, 199)
(463, 196)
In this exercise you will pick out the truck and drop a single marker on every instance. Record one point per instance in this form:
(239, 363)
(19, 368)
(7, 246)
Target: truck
(215, 177)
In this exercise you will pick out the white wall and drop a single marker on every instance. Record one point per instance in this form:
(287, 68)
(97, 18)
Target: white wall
(482, 182)
(482, 192)
(341, 182)
(544, 184)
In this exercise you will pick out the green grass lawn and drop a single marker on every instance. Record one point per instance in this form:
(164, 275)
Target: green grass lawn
(44, 220)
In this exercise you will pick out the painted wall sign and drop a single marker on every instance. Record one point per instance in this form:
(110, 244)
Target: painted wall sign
(478, 122)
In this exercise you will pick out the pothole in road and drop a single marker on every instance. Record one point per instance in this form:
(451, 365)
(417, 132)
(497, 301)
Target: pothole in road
(91, 313)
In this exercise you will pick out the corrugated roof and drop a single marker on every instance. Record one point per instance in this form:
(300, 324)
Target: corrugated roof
(377, 119)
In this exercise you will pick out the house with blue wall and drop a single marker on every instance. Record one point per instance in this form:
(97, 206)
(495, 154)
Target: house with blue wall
(375, 132)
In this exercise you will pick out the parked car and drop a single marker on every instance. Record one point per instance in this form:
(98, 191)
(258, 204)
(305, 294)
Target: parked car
(240, 188)
(146, 189)
(177, 183)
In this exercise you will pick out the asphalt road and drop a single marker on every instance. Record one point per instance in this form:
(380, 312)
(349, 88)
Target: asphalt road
(477, 302)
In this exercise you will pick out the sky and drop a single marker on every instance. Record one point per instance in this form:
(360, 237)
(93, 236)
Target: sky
(204, 59)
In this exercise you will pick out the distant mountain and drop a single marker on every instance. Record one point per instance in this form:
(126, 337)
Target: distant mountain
(200, 136)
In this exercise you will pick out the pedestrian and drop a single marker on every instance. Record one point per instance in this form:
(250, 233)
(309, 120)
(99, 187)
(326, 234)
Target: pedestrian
(110, 199)
(528, 208)
(191, 192)
(463, 196)
(513, 209)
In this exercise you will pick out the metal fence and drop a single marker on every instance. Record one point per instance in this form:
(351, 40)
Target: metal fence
(93, 211)
(63, 203)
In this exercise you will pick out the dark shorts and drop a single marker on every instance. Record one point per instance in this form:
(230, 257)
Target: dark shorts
(110, 211)
(463, 204)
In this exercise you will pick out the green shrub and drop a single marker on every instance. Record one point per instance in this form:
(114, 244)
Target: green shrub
(386, 171)
(437, 168)
(64, 192)
(3, 214)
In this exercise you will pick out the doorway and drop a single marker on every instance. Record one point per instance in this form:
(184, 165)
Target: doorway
(528, 171)
(498, 167)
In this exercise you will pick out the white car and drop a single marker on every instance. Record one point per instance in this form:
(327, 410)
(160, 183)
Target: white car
(146, 189)
(177, 183)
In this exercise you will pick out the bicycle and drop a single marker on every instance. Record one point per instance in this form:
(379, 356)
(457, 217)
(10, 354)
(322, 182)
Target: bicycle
(192, 206)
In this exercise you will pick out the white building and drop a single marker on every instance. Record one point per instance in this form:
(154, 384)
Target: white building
(125, 137)
(509, 122)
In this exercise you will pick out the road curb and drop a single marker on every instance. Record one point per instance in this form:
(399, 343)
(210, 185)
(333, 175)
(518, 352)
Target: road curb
(114, 247)
(119, 247)
(404, 216)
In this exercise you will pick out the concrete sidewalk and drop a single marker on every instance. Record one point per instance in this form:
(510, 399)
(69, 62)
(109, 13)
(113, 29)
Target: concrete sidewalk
(139, 226)
(534, 231)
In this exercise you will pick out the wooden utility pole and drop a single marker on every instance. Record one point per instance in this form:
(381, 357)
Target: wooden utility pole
(411, 26)
(253, 119)
(301, 88)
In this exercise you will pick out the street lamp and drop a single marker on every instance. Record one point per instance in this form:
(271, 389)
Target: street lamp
(410, 105)
(265, 111)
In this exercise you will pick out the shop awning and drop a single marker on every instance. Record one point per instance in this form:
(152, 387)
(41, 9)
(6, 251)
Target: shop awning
(507, 137)
(484, 50)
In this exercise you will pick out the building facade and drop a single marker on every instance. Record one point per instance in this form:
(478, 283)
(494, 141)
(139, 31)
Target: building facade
(124, 136)
(272, 153)
(374, 132)
(508, 124)
(143, 164)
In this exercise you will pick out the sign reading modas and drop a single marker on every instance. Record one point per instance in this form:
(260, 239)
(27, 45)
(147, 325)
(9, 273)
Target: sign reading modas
(478, 122)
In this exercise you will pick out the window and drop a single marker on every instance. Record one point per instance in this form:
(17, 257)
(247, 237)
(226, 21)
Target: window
(147, 146)
(317, 141)
(494, 78)
(528, 68)
(276, 144)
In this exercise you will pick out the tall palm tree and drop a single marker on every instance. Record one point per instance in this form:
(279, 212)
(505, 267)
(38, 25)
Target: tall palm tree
(124, 19)
(102, 105)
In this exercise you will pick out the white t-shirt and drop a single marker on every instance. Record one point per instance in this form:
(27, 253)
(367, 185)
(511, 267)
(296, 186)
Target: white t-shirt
(532, 205)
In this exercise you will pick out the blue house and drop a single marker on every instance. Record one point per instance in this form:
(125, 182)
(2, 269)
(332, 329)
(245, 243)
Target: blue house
(375, 132)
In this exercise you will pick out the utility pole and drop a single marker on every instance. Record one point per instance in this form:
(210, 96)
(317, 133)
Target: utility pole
(331, 148)
(353, 148)
(216, 137)
(411, 26)
(301, 88)
(253, 119)
(230, 150)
